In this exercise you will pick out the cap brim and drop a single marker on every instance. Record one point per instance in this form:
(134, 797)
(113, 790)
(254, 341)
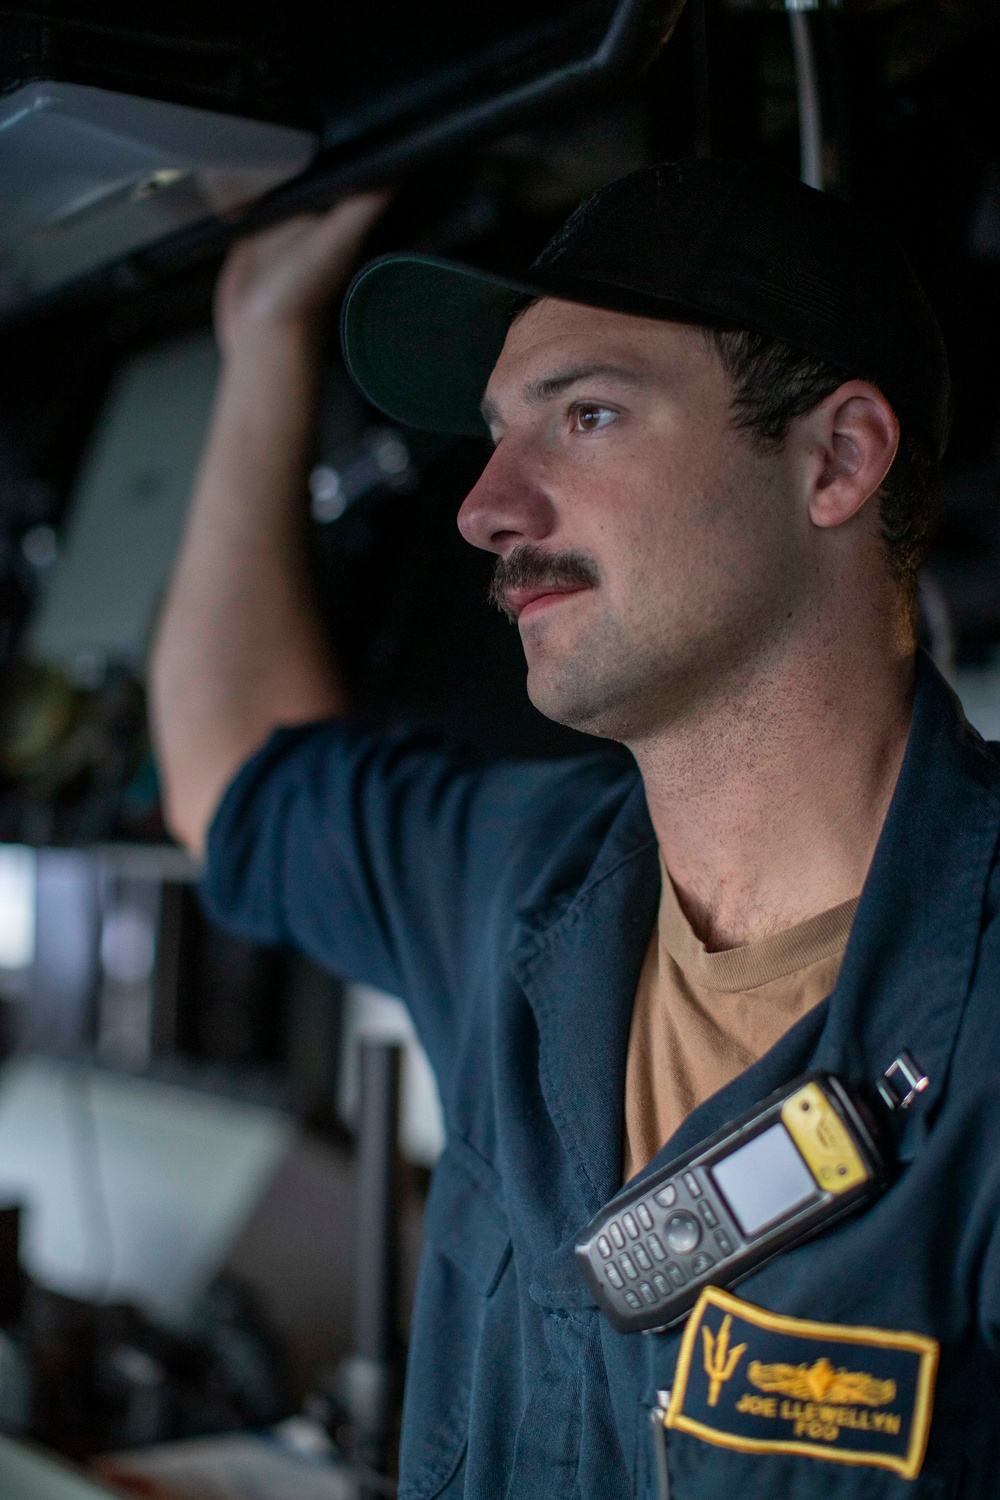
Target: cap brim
(421, 335)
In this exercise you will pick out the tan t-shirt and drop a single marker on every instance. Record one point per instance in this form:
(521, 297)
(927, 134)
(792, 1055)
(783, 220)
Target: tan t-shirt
(701, 1018)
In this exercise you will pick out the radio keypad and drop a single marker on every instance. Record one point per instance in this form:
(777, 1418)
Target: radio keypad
(645, 1235)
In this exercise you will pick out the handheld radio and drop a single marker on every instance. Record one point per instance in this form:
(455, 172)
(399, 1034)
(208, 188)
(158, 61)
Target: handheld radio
(790, 1167)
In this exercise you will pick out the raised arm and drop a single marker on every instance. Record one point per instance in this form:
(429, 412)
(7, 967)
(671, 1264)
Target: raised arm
(240, 647)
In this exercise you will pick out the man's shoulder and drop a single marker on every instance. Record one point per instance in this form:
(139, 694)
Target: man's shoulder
(341, 838)
(349, 781)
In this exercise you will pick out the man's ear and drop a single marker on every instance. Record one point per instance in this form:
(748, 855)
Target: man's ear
(852, 437)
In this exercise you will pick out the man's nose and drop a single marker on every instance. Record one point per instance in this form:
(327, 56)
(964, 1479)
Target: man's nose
(508, 505)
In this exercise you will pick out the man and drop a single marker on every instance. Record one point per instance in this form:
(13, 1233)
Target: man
(717, 402)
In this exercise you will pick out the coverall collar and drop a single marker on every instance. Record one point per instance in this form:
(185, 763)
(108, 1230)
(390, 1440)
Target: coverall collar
(903, 983)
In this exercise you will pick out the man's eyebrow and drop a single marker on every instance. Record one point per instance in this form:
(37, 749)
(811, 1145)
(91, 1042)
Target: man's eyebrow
(561, 380)
(554, 385)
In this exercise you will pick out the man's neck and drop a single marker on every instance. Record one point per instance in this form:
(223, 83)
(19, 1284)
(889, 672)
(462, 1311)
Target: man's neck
(768, 804)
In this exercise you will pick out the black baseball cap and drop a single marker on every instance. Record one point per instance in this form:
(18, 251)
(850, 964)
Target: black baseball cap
(720, 243)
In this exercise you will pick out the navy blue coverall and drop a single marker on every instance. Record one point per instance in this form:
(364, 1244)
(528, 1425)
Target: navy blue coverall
(511, 906)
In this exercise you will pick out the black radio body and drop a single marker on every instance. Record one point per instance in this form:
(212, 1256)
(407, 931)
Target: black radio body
(795, 1164)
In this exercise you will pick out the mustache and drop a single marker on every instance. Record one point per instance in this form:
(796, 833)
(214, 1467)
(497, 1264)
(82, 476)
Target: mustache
(529, 566)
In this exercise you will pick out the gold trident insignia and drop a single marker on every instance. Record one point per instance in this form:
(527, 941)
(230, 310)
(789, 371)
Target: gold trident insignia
(720, 1360)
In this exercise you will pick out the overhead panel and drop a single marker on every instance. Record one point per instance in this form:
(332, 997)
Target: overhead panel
(142, 140)
(87, 176)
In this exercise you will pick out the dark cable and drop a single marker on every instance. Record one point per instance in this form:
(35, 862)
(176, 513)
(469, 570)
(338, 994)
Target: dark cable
(807, 91)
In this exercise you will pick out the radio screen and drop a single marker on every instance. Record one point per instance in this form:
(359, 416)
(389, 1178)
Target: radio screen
(764, 1180)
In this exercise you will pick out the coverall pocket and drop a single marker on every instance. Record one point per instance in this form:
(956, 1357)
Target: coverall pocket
(467, 1248)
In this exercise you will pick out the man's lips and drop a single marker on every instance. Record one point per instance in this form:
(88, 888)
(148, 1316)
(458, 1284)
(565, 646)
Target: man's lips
(529, 601)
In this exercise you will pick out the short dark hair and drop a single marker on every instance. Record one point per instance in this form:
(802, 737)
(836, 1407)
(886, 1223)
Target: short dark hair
(774, 383)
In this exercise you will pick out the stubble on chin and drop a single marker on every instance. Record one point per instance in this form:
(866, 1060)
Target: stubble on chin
(616, 686)
(600, 686)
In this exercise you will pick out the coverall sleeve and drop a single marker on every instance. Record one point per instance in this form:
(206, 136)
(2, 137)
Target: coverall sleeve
(381, 856)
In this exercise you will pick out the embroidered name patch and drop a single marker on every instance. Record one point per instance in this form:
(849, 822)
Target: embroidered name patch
(764, 1383)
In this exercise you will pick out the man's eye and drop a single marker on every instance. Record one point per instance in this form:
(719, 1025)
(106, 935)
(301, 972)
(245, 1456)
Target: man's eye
(591, 418)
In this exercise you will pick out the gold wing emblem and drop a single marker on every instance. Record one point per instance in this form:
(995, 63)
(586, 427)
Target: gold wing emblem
(821, 1382)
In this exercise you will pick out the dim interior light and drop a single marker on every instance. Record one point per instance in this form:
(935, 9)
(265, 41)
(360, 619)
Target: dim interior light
(17, 906)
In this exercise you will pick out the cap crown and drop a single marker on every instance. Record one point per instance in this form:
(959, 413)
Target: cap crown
(744, 245)
(731, 244)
